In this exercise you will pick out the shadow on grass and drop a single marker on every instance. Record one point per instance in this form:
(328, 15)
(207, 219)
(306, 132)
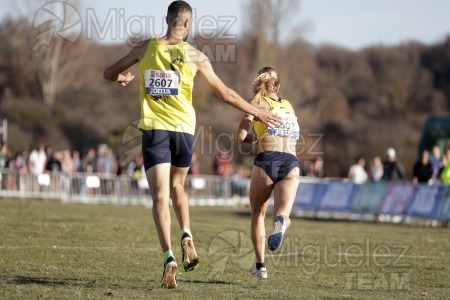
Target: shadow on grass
(50, 281)
(77, 282)
(151, 285)
(320, 219)
(210, 281)
(242, 213)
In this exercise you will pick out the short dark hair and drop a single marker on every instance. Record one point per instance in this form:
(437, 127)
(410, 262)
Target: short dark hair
(178, 7)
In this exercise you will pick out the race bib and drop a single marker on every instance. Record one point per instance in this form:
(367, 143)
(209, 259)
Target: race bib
(161, 83)
(290, 128)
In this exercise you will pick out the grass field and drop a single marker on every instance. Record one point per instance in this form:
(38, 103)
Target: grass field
(50, 250)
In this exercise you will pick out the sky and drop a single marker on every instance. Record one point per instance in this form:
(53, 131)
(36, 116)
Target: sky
(352, 24)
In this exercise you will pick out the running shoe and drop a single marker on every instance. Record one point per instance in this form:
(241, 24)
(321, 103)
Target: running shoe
(260, 274)
(190, 258)
(170, 270)
(276, 238)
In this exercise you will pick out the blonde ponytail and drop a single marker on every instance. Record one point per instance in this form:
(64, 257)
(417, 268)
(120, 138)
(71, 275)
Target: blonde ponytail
(265, 83)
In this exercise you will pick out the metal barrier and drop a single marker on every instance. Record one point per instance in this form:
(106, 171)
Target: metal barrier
(318, 198)
(123, 190)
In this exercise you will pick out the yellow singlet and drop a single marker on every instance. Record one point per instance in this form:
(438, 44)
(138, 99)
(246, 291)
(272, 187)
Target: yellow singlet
(166, 88)
(290, 128)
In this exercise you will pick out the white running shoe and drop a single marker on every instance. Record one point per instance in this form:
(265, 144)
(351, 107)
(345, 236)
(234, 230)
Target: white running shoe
(170, 271)
(260, 274)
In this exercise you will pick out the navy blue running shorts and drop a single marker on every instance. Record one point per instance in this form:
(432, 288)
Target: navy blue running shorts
(162, 146)
(277, 165)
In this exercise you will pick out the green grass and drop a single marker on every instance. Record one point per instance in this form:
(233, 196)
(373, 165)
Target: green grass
(50, 250)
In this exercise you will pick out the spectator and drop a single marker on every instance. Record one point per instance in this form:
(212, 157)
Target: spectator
(67, 164)
(315, 168)
(37, 160)
(239, 182)
(11, 180)
(76, 160)
(444, 173)
(194, 168)
(436, 161)
(357, 173)
(222, 164)
(392, 167)
(139, 170)
(77, 164)
(110, 163)
(100, 159)
(106, 160)
(423, 169)
(53, 164)
(20, 162)
(130, 168)
(89, 162)
(5, 156)
(376, 169)
(222, 167)
(107, 165)
(122, 167)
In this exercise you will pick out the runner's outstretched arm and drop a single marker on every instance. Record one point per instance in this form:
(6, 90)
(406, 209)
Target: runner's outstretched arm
(265, 115)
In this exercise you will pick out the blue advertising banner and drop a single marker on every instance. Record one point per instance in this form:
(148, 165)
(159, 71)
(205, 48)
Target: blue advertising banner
(390, 198)
(396, 199)
(367, 198)
(337, 197)
(444, 209)
(426, 202)
(308, 196)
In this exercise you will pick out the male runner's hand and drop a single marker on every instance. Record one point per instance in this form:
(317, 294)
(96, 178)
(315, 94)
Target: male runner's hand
(124, 79)
(266, 116)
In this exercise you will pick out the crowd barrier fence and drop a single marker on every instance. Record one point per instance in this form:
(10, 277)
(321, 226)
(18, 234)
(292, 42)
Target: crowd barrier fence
(93, 188)
(315, 197)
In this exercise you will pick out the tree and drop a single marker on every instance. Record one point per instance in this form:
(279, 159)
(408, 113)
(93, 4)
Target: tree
(57, 47)
(17, 74)
(263, 27)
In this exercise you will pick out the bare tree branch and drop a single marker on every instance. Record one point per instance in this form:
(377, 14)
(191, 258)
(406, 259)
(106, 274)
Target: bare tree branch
(56, 57)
